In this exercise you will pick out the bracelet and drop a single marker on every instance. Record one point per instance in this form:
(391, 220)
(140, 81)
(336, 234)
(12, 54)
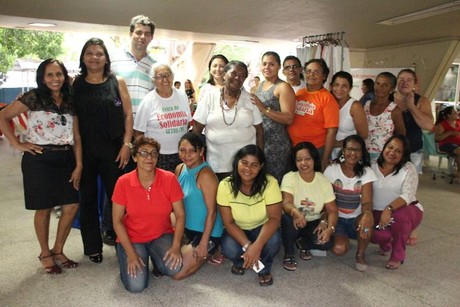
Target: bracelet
(390, 207)
(267, 110)
(245, 246)
(324, 222)
(333, 229)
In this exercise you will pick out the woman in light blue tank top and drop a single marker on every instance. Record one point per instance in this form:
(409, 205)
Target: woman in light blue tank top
(203, 226)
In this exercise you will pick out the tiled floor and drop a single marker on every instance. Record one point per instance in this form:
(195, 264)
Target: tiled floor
(429, 277)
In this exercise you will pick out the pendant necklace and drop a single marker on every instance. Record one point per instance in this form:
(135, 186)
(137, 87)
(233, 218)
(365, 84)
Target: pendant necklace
(226, 108)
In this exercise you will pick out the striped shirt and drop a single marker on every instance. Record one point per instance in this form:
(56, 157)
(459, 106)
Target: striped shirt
(137, 75)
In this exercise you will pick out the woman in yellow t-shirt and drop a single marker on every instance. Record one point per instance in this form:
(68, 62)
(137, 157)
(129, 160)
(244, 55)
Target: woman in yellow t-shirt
(250, 205)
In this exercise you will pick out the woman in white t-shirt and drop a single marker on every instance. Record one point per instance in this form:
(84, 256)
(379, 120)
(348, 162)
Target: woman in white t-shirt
(164, 115)
(351, 178)
(230, 118)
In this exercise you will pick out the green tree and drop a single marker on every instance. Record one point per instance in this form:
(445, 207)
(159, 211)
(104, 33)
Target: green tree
(18, 43)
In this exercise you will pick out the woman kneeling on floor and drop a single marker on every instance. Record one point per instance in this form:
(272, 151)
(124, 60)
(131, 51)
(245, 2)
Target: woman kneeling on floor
(396, 209)
(351, 178)
(250, 204)
(306, 192)
(143, 201)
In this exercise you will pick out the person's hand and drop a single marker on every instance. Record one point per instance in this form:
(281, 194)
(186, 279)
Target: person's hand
(135, 264)
(123, 156)
(409, 101)
(258, 103)
(75, 177)
(251, 256)
(323, 233)
(298, 219)
(385, 218)
(173, 258)
(201, 250)
(365, 224)
(28, 147)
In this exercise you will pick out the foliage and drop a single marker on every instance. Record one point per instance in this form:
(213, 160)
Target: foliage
(18, 43)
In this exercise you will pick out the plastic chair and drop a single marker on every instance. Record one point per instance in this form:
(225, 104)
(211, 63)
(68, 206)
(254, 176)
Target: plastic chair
(450, 164)
(430, 147)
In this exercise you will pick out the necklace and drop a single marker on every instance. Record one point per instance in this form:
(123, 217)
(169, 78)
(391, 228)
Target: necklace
(226, 108)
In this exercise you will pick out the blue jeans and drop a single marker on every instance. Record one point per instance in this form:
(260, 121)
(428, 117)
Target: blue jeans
(307, 237)
(233, 250)
(156, 249)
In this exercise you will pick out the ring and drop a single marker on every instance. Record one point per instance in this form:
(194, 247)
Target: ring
(366, 229)
(204, 257)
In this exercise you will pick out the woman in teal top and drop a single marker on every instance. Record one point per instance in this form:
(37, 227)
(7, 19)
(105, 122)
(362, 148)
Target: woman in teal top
(203, 226)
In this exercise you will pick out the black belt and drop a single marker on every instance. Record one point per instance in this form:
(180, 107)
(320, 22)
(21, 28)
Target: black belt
(55, 147)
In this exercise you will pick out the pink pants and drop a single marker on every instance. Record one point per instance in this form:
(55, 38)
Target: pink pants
(394, 237)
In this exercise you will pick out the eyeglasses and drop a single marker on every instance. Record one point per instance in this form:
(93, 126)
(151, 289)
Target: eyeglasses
(291, 67)
(145, 154)
(162, 76)
(313, 72)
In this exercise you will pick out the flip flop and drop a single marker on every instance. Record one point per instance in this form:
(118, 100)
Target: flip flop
(237, 270)
(289, 263)
(265, 280)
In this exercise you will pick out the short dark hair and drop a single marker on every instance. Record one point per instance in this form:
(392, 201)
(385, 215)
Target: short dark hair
(235, 63)
(143, 140)
(344, 75)
(194, 139)
(369, 83)
(90, 42)
(141, 20)
(260, 182)
(313, 153)
(292, 58)
(216, 56)
(273, 54)
(406, 153)
(321, 63)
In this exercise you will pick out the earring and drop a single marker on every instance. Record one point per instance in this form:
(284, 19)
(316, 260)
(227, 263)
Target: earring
(360, 161)
(342, 159)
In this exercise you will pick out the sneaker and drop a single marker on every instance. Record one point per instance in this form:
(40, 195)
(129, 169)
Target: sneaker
(109, 237)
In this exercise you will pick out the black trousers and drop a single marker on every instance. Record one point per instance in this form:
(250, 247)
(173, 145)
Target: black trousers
(98, 159)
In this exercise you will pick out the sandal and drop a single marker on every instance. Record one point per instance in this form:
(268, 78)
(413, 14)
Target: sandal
(52, 269)
(96, 258)
(381, 252)
(304, 254)
(67, 263)
(216, 260)
(237, 270)
(265, 280)
(393, 265)
(360, 264)
(289, 263)
(412, 241)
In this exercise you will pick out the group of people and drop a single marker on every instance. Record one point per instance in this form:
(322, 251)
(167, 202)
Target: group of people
(290, 164)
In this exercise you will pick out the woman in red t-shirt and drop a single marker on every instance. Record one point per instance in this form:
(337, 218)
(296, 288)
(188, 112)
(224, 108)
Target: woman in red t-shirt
(447, 133)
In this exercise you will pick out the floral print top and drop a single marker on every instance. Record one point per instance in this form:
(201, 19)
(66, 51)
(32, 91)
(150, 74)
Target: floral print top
(381, 127)
(48, 124)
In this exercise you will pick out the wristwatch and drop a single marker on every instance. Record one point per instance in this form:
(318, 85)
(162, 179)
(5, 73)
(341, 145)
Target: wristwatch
(130, 145)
